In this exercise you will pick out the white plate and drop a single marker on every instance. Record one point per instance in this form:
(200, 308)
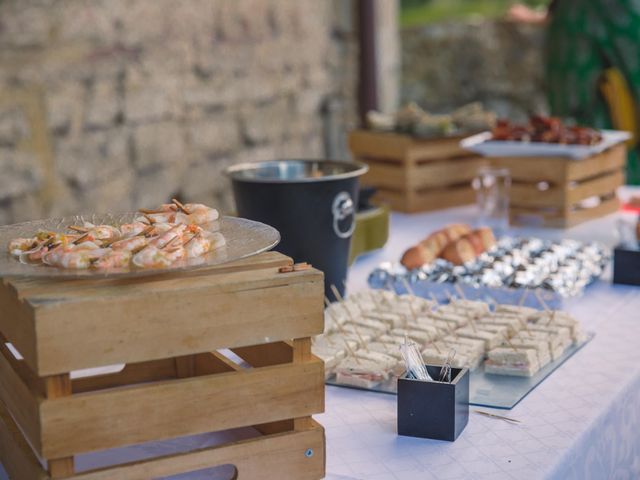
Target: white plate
(482, 144)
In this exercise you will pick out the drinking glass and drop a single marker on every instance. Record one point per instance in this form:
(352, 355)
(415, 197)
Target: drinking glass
(492, 186)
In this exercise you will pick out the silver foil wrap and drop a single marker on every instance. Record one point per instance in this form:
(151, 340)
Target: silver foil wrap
(564, 267)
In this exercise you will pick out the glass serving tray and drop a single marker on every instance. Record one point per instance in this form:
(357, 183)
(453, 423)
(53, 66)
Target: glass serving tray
(243, 238)
(490, 390)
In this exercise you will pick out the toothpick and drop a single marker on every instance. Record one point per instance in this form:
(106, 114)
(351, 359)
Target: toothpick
(406, 285)
(500, 417)
(459, 290)
(336, 293)
(508, 340)
(541, 300)
(523, 297)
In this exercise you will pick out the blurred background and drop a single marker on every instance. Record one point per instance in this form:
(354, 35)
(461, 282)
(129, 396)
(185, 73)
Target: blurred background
(109, 105)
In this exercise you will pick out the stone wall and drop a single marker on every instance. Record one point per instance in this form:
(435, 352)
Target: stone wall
(496, 62)
(107, 105)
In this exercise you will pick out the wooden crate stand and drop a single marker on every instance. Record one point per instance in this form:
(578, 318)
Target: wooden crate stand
(550, 191)
(416, 175)
(171, 332)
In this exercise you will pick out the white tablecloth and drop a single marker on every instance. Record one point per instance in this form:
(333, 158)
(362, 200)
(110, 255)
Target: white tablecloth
(582, 422)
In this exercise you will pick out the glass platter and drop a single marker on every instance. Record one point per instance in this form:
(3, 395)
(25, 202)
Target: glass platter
(490, 390)
(243, 238)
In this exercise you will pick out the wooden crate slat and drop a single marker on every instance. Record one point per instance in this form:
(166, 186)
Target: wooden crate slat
(428, 200)
(17, 323)
(265, 354)
(529, 195)
(19, 399)
(441, 174)
(404, 148)
(531, 170)
(599, 186)
(557, 219)
(386, 146)
(274, 457)
(610, 160)
(102, 420)
(423, 151)
(16, 455)
(607, 207)
(385, 175)
(223, 314)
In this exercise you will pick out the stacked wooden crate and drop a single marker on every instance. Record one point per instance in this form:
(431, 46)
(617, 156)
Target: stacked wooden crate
(219, 349)
(414, 175)
(563, 192)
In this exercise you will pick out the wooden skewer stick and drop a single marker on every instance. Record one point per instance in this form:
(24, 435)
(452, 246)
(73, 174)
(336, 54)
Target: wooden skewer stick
(500, 417)
(459, 290)
(343, 332)
(523, 297)
(336, 293)
(508, 340)
(178, 204)
(541, 300)
(407, 287)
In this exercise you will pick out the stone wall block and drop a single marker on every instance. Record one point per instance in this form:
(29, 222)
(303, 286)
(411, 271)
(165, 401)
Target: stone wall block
(266, 123)
(104, 104)
(158, 144)
(95, 157)
(13, 126)
(20, 173)
(214, 136)
(149, 98)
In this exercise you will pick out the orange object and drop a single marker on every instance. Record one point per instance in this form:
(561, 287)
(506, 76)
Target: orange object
(430, 248)
(469, 246)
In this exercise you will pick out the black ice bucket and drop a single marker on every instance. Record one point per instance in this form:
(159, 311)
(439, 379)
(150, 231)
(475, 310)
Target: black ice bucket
(311, 202)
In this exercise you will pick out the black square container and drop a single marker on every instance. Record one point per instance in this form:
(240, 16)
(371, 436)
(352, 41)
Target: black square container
(626, 265)
(435, 410)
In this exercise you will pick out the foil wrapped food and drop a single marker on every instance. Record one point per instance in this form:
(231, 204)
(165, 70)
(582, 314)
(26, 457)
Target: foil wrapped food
(565, 267)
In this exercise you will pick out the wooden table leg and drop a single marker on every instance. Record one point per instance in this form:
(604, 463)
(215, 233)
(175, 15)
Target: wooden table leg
(59, 386)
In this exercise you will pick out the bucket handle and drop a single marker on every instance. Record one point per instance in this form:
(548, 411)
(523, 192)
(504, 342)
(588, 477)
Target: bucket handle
(343, 207)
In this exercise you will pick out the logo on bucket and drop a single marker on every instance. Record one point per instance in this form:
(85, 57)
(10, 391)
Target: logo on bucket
(342, 208)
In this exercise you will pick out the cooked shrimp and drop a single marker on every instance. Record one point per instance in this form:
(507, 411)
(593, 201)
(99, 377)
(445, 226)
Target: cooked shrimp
(98, 232)
(197, 246)
(195, 213)
(18, 246)
(70, 257)
(216, 239)
(154, 257)
(129, 230)
(113, 259)
(164, 239)
(130, 244)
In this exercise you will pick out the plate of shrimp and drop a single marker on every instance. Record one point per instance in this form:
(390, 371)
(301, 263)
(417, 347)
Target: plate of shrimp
(174, 236)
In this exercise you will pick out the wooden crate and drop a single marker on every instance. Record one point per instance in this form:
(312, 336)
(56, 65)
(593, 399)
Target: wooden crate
(551, 191)
(173, 333)
(416, 175)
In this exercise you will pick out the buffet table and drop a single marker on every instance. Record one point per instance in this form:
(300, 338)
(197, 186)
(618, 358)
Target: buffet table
(582, 422)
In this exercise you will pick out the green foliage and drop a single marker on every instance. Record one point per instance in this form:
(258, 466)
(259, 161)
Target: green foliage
(420, 12)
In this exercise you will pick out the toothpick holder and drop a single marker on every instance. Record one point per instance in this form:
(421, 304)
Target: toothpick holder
(435, 410)
(626, 265)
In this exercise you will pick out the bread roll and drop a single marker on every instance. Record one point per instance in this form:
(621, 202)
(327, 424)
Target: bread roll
(429, 249)
(469, 246)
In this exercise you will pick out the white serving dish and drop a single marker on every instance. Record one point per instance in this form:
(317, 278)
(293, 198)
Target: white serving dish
(481, 143)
